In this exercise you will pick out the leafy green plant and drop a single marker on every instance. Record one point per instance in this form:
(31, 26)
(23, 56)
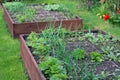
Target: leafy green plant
(107, 49)
(22, 12)
(112, 56)
(53, 69)
(97, 57)
(79, 53)
(32, 38)
(89, 35)
(104, 74)
(112, 8)
(40, 45)
(14, 6)
(54, 7)
(27, 15)
(80, 38)
(58, 77)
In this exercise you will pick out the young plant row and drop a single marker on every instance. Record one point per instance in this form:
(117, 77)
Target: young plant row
(61, 56)
(23, 12)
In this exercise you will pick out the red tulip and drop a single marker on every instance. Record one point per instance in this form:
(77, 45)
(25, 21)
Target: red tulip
(103, 1)
(119, 11)
(106, 17)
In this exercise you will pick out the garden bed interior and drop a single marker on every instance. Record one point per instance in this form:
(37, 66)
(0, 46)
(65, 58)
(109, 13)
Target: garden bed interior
(41, 20)
(92, 42)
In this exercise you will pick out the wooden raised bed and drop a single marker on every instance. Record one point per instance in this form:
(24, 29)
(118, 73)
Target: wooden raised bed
(29, 61)
(27, 27)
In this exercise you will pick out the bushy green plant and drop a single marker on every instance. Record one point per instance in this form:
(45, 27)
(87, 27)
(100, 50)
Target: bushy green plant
(110, 10)
(58, 77)
(54, 7)
(27, 15)
(97, 57)
(79, 53)
(53, 69)
(40, 45)
(14, 6)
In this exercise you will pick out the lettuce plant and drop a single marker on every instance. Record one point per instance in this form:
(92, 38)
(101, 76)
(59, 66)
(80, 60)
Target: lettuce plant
(79, 53)
(53, 69)
(97, 57)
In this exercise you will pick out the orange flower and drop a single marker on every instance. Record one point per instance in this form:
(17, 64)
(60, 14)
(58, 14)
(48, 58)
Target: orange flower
(106, 17)
(119, 11)
(103, 1)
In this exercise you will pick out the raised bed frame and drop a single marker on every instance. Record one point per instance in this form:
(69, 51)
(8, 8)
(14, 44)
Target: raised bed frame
(29, 61)
(32, 67)
(27, 27)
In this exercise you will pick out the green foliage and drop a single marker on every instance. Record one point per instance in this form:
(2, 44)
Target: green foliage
(87, 71)
(112, 56)
(27, 15)
(104, 74)
(111, 7)
(107, 49)
(97, 57)
(54, 7)
(89, 35)
(24, 13)
(53, 69)
(58, 77)
(32, 38)
(40, 45)
(79, 53)
(80, 38)
(14, 6)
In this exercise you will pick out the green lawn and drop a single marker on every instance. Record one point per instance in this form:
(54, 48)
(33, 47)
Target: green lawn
(11, 64)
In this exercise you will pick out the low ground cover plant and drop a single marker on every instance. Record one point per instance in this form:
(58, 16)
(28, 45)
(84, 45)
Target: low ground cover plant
(81, 56)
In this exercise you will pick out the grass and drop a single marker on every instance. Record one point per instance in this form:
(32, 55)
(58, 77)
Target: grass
(11, 64)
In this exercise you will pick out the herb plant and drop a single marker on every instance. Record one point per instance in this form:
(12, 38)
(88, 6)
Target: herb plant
(54, 7)
(53, 68)
(79, 53)
(97, 57)
(14, 6)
